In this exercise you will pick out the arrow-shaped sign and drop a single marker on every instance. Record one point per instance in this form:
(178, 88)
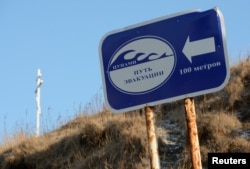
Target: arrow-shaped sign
(198, 47)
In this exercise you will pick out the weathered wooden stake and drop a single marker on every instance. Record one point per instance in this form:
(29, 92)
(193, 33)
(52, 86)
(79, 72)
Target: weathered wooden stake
(193, 133)
(152, 141)
(38, 104)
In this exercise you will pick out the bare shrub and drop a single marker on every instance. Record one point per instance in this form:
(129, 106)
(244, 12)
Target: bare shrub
(238, 81)
(215, 127)
(239, 145)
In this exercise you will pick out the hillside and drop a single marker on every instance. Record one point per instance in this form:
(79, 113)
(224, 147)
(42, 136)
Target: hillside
(106, 140)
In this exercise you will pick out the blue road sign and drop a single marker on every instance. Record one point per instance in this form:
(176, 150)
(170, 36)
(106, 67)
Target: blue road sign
(162, 60)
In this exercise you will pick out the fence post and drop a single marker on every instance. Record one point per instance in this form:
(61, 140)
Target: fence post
(193, 133)
(39, 82)
(152, 140)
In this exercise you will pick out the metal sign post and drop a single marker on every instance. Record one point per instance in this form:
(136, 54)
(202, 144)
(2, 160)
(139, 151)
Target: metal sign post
(142, 64)
(193, 133)
(152, 140)
(38, 105)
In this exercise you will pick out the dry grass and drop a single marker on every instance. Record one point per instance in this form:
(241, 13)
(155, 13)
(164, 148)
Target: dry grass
(13, 141)
(106, 141)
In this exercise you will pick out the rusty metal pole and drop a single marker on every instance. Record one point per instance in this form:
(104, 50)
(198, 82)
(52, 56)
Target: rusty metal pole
(193, 133)
(152, 141)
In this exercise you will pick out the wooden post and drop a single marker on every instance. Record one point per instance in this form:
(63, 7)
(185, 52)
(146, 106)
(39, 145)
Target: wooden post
(193, 133)
(152, 140)
(39, 82)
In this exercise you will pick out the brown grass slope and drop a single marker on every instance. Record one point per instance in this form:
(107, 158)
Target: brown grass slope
(119, 141)
(100, 141)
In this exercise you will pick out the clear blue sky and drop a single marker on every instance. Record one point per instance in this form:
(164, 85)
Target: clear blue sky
(61, 37)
